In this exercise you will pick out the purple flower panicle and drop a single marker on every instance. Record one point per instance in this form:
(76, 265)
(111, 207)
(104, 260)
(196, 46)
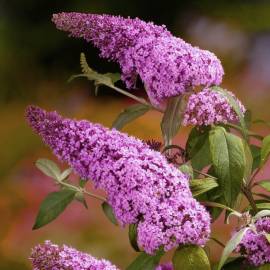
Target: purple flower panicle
(141, 186)
(209, 107)
(254, 246)
(168, 66)
(49, 256)
(111, 34)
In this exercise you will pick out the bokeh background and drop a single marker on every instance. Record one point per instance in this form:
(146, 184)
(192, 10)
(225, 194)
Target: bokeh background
(36, 61)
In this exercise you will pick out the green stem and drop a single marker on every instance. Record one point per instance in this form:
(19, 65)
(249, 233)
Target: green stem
(141, 100)
(204, 174)
(249, 133)
(81, 190)
(214, 204)
(94, 195)
(64, 184)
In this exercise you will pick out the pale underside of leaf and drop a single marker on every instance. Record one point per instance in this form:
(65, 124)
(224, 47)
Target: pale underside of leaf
(129, 114)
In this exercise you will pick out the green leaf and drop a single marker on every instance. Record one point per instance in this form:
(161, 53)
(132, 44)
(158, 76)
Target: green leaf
(229, 162)
(82, 183)
(231, 245)
(234, 104)
(49, 168)
(216, 211)
(65, 174)
(256, 154)
(53, 205)
(236, 263)
(248, 118)
(198, 148)
(132, 233)
(267, 236)
(129, 114)
(199, 186)
(263, 205)
(261, 214)
(108, 211)
(233, 264)
(265, 151)
(106, 79)
(259, 121)
(115, 77)
(240, 129)
(93, 75)
(264, 184)
(249, 161)
(172, 118)
(222, 206)
(145, 261)
(187, 169)
(190, 257)
(80, 198)
(232, 214)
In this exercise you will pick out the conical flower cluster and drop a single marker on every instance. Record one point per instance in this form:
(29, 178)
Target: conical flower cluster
(49, 256)
(255, 246)
(141, 186)
(167, 65)
(209, 107)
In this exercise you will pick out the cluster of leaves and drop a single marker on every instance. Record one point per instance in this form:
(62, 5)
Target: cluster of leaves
(56, 202)
(222, 164)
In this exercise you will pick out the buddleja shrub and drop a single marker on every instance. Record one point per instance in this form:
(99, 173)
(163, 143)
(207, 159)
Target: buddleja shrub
(168, 196)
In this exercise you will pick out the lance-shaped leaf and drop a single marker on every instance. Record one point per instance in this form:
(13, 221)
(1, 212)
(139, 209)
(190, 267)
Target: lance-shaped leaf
(198, 148)
(108, 211)
(232, 214)
(249, 161)
(229, 162)
(222, 206)
(65, 174)
(132, 233)
(145, 261)
(129, 114)
(248, 118)
(235, 263)
(263, 205)
(265, 151)
(186, 168)
(53, 205)
(200, 186)
(260, 121)
(114, 77)
(256, 154)
(190, 257)
(106, 79)
(263, 213)
(173, 117)
(232, 101)
(265, 184)
(267, 236)
(49, 168)
(82, 183)
(231, 245)
(80, 198)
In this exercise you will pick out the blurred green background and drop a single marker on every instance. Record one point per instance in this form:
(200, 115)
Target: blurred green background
(35, 62)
